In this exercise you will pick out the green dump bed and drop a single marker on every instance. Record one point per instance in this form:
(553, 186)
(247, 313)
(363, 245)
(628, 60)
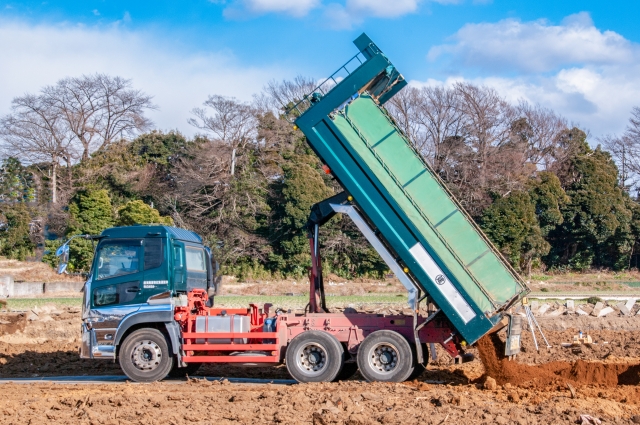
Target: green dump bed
(415, 216)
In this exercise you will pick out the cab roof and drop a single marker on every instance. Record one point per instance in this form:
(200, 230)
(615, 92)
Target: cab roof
(142, 231)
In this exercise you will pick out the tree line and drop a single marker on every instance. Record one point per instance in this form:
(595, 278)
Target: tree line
(81, 156)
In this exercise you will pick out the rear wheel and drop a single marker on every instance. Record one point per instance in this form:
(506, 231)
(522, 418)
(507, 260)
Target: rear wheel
(385, 356)
(314, 356)
(145, 357)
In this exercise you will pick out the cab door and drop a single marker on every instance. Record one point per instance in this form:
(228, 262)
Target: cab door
(156, 278)
(118, 273)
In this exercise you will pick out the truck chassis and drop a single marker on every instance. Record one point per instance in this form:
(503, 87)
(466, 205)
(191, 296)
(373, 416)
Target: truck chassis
(317, 346)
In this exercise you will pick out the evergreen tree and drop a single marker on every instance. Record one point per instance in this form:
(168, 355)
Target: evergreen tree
(548, 197)
(15, 240)
(292, 196)
(511, 223)
(159, 148)
(16, 182)
(596, 219)
(137, 212)
(90, 212)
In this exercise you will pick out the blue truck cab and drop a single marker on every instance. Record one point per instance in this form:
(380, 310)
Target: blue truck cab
(138, 274)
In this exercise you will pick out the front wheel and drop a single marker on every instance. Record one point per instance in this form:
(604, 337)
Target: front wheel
(314, 356)
(385, 356)
(145, 357)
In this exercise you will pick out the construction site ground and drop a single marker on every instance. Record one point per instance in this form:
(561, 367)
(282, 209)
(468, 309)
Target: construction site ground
(550, 386)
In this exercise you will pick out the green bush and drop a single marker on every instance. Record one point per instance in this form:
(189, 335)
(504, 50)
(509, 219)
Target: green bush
(594, 300)
(15, 240)
(137, 212)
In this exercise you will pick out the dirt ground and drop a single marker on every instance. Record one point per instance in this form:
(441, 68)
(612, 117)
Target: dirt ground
(545, 387)
(33, 271)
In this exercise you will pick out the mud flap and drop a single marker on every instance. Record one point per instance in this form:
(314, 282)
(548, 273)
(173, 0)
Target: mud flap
(512, 345)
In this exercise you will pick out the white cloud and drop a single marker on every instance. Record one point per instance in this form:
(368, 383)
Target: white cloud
(381, 8)
(35, 56)
(595, 98)
(240, 9)
(535, 46)
(588, 75)
(337, 14)
(354, 12)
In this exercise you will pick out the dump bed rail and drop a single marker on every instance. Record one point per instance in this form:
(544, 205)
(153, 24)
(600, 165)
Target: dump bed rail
(396, 191)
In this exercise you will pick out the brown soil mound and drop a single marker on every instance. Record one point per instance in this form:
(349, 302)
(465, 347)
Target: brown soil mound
(587, 373)
(12, 323)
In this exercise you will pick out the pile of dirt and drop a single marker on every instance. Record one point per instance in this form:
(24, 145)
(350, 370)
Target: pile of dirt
(12, 323)
(582, 372)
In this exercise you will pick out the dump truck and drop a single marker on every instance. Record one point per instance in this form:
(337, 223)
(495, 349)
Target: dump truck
(149, 302)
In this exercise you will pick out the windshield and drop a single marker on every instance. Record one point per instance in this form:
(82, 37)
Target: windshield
(118, 258)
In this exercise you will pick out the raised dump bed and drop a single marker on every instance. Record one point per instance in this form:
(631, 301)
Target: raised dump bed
(429, 234)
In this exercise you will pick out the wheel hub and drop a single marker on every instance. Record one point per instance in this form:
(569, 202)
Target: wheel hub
(311, 359)
(386, 358)
(383, 358)
(315, 358)
(146, 355)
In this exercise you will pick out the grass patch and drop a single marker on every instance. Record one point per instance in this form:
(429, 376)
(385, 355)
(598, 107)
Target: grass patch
(594, 300)
(29, 303)
(235, 301)
(540, 277)
(300, 301)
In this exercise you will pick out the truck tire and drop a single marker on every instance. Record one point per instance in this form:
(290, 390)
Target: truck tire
(385, 356)
(145, 356)
(180, 372)
(314, 356)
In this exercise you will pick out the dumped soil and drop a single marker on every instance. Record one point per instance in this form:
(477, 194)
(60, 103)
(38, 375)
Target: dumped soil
(581, 372)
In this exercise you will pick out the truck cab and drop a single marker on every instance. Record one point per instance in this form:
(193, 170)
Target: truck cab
(138, 275)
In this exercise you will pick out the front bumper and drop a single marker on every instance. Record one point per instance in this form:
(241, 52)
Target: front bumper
(90, 349)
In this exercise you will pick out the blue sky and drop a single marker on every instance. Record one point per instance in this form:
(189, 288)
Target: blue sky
(581, 58)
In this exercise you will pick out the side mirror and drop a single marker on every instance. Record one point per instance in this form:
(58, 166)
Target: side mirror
(63, 258)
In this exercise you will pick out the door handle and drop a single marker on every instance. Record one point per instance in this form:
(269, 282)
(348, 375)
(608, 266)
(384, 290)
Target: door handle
(133, 289)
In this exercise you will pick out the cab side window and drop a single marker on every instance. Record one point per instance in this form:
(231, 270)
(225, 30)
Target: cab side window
(153, 253)
(195, 259)
(177, 257)
(105, 295)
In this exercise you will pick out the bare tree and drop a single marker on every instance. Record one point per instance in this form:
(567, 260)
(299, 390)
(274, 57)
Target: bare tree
(429, 116)
(486, 119)
(38, 134)
(625, 151)
(231, 121)
(474, 139)
(541, 130)
(286, 93)
(99, 109)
